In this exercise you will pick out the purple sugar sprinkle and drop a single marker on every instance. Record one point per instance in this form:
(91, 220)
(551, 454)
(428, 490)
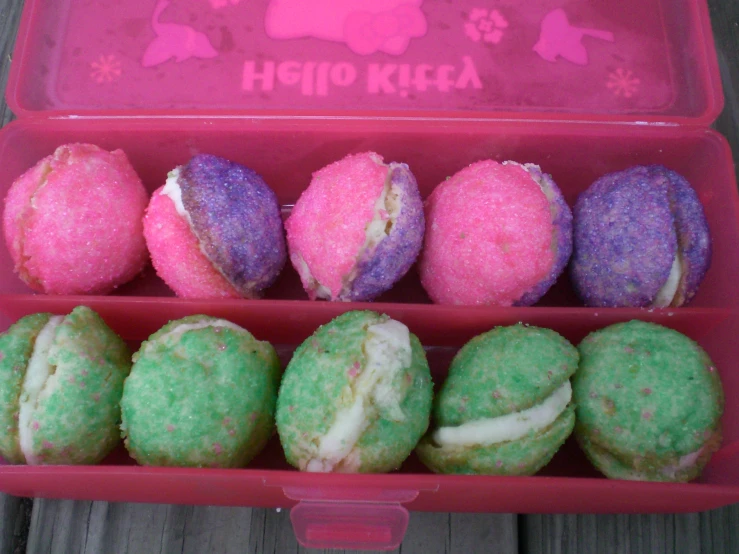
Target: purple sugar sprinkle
(562, 223)
(628, 228)
(394, 255)
(237, 220)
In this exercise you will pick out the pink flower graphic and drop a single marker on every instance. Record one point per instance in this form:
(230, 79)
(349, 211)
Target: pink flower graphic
(623, 82)
(485, 26)
(106, 69)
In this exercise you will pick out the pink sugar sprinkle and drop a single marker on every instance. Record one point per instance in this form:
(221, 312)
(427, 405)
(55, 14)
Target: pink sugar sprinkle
(352, 372)
(646, 415)
(496, 394)
(508, 253)
(47, 445)
(499, 463)
(232, 432)
(647, 391)
(618, 430)
(628, 350)
(226, 420)
(96, 397)
(82, 384)
(71, 379)
(384, 215)
(84, 373)
(170, 428)
(35, 426)
(217, 448)
(290, 408)
(711, 369)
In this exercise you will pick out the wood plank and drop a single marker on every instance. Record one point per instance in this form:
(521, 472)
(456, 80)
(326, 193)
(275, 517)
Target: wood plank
(725, 22)
(15, 517)
(714, 532)
(10, 12)
(63, 526)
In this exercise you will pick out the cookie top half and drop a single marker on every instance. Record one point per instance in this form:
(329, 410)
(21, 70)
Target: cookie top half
(642, 387)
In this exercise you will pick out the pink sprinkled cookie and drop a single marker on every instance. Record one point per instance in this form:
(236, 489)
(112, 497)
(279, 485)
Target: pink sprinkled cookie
(497, 234)
(356, 229)
(72, 222)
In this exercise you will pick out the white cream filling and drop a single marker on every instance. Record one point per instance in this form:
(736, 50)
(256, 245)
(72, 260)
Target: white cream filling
(387, 350)
(307, 277)
(174, 192)
(508, 427)
(667, 293)
(36, 377)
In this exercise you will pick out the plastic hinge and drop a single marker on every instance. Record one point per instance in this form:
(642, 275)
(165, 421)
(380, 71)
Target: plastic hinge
(359, 519)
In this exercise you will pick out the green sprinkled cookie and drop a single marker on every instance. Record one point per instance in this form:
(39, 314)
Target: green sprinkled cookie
(356, 396)
(505, 407)
(61, 380)
(649, 402)
(201, 393)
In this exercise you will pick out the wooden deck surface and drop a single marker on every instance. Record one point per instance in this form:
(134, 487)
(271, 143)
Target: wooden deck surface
(68, 527)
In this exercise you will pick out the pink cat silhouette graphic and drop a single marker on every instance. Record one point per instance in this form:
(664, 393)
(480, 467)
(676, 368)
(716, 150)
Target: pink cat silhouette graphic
(560, 39)
(173, 40)
(365, 26)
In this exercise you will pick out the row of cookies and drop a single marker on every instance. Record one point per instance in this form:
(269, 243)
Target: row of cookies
(357, 396)
(501, 234)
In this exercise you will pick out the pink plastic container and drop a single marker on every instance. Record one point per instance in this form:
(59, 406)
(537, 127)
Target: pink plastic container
(286, 87)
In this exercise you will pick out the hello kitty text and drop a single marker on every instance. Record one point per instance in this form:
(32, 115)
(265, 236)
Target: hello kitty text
(318, 78)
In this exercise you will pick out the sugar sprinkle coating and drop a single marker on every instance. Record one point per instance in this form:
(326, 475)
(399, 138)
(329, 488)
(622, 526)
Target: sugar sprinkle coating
(72, 223)
(356, 229)
(636, 233)
(237, 227)
(649, 402)
(201, 393)
(74, 415)
(176, 254)
(504, 408)
(497, 234)
(355, 397)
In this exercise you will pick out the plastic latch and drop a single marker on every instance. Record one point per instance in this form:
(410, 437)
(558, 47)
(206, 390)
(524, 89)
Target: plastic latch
(360, 520)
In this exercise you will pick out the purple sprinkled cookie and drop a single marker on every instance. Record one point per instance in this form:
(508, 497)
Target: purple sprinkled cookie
(215, 230)
(641, 239)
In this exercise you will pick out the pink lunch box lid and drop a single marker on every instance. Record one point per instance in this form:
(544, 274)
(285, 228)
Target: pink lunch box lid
(627, 61)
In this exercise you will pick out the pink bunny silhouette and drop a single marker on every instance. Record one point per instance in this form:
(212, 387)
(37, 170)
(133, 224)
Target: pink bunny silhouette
(173, 40)
(559, 38)
(365, 26)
